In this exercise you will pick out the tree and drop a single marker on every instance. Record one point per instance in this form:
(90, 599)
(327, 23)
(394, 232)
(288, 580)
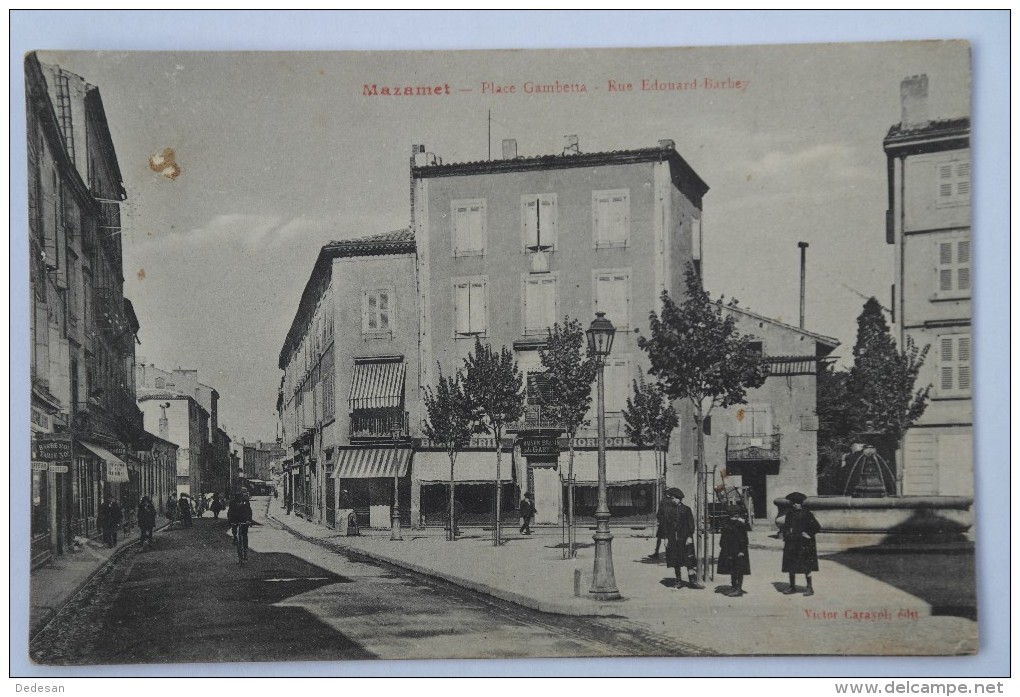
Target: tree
(881, 382)
(449, 422)
(570, 370)
(834, 426)
(649, 420)
(494, 387)
(699, 356)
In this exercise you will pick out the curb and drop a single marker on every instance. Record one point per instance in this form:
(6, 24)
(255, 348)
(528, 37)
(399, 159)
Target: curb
(550, 607)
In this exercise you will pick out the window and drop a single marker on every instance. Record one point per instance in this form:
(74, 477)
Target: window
(612, 296)
(376, 311)
(539, 303)
(953, 179)
(611, 218)
(468, 227)
(469, 307)
(538, 221)
(754, 420)
(954, 365)
(953, 267)
(618, 385)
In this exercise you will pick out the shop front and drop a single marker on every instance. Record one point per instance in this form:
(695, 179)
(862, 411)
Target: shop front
(474, 487)
(50, 456)
(364, 480)
(631, 477)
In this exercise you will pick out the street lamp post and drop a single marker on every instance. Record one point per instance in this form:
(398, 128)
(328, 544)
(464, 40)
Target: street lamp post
(396, 430)
(603, 582)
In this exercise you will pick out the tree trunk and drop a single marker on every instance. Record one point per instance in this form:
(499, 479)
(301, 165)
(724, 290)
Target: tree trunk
(452, 535)
(571, 529)
(701, 515)
(496, 540)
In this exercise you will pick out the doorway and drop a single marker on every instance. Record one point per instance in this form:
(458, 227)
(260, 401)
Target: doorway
(756, 480)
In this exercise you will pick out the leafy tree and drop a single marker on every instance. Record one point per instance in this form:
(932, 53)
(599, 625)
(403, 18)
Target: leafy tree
(449, 422)
(570, 370)
(649, 420)
(834, 425)
(494, 387)
(698, 355)
(882, 380)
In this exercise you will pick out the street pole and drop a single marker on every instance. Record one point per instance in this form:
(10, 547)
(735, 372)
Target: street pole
(603, 582)
(395, 510)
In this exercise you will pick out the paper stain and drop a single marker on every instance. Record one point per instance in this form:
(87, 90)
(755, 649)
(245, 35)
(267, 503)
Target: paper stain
(165, 163)
(141, 274)
(740, 414)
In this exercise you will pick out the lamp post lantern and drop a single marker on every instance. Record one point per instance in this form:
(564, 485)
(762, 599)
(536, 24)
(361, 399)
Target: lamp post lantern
(396, 430)
(603, 582)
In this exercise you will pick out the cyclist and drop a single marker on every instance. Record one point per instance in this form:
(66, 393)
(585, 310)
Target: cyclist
(239, 516)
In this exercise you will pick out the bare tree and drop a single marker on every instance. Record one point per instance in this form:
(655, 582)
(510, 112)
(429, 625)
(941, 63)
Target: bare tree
(449, 422)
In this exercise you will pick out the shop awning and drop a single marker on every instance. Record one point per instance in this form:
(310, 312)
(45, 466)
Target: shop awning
(116, 469)
(470, 466)
(366, 463)
(377, 385)
(628, 466)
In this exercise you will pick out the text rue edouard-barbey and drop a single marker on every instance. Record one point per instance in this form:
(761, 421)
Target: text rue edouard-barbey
(556, 87)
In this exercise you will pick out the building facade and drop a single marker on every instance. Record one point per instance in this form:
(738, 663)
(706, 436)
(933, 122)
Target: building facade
(928, 223)
(344, 402)
(508, 247)
(86, 427)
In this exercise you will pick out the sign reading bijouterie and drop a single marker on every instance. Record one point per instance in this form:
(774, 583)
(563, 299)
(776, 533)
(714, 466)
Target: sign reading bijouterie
(53, 448)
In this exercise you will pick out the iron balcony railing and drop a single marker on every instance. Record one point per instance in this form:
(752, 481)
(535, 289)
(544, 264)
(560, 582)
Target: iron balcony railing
(379, 423)
(752, 448)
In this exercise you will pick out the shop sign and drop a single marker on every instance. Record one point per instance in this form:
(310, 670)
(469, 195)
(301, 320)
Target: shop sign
(116, 472)
(531, 447)
(38, 466)
(59, 469)
(53, 448)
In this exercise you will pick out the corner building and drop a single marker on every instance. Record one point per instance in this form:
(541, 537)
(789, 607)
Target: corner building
(928, 223)
(508, 247)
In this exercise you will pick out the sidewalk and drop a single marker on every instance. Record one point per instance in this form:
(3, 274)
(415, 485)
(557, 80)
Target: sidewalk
(852, 612)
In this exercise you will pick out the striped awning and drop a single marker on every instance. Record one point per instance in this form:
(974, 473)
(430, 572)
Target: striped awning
(377, 385)
(366, 463)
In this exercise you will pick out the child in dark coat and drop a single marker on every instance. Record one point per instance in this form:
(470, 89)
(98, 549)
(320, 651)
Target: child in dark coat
(733, 555)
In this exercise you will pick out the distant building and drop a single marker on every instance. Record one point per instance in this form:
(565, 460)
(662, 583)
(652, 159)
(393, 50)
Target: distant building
(928, 223)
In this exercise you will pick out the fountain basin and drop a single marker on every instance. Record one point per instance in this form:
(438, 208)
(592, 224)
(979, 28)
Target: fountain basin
(899, 516)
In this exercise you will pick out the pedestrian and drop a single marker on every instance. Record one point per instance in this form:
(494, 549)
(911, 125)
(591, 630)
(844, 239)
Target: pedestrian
(216, 506)
(353, 529)
(733, 549)
(110, 516)
(170, 511)
(200, 505)
(800, 552)
(660, 529)
(679, 524)
(239, 512)
(184, 508)
(528, 512)
(146, 520)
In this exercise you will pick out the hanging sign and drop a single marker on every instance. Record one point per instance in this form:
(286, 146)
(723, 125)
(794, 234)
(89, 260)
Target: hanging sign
(38, 466)
(59, 469)
(531, 447)
(53, 448)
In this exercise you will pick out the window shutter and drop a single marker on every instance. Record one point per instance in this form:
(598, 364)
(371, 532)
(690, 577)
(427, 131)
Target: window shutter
(384, 311)
(549, 302)
(478, 313)
(947, 378)
(462, 307)
(531, 222)
(547, 223)
(531, 304)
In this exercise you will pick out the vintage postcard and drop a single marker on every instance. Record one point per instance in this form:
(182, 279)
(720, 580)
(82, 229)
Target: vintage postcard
(500, 354)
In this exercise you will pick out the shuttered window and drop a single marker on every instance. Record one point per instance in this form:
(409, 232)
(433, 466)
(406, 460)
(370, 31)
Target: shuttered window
(618, 383)
(611, 218)
(953, 179)
(612, 296)
(953, 269)
(468, 225)
(469, 307)
(954, 365)
(377, 311)
(539, 303)
(538, 220)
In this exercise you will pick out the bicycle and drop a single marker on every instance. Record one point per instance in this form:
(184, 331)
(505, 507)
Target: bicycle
(242, 542)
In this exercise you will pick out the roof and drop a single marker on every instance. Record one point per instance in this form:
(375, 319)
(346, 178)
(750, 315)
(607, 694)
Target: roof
(688, 178)
(145, 394)
(827, 341)
(393, 242)
(940, 134)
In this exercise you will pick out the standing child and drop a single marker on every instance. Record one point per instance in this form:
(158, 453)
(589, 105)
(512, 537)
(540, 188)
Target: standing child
(800, 553)
(733, 555)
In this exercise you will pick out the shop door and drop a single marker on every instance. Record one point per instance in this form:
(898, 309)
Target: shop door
(756, 480)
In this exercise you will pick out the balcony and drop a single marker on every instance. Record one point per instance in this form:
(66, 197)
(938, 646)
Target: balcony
(764, 448)
(379, 424)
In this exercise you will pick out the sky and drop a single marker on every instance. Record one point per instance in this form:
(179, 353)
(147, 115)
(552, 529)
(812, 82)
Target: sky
(280, 153)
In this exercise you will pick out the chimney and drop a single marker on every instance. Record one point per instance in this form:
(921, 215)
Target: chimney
(803, 276)
(570, 145)
(914, 102)
(510, 149)
(667, 144)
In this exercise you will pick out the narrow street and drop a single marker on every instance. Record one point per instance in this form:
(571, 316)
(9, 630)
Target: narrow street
(187, 600)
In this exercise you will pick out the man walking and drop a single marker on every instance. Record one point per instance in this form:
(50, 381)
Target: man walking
(528, 512)
(679, 524)
(110, 516)
(660, 530)
(146, 520)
